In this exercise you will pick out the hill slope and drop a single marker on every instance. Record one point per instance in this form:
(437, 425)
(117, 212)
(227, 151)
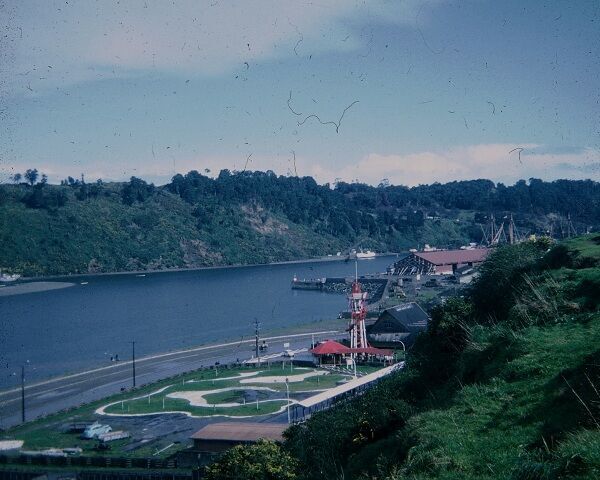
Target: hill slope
(256, 217)
(505, 384)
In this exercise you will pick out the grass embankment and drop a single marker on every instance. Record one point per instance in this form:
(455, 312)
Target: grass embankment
(505, 384)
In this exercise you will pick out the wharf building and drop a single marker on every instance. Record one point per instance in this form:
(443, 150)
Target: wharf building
(439, 262)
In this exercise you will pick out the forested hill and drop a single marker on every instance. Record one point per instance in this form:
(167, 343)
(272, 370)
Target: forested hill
(258, 217)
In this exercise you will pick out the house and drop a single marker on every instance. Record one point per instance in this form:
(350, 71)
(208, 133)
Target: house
(439, 261)
(397, 327)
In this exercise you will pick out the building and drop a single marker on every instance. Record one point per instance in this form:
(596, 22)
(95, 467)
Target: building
(335, 353)
(213, 439)
(397, 326)
(440, 262)
(465, 274)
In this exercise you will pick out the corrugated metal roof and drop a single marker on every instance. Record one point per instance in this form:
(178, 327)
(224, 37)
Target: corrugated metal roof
(450, 257)
(405, 317)
(241, 432)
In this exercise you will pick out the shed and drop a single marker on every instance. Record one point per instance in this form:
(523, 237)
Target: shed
(213, 439)
(217, 437)
(397, 325)
(439, 262)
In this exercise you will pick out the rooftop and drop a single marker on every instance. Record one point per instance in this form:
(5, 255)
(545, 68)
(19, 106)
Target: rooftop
(241, 432)
(450, 257)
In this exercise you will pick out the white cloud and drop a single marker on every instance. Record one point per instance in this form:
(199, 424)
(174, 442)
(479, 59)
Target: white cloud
(491, 161)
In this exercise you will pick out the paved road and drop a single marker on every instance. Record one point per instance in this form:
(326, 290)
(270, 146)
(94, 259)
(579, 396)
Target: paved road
(43, 398)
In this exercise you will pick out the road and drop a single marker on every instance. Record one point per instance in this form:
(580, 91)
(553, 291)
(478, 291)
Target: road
(53, 395)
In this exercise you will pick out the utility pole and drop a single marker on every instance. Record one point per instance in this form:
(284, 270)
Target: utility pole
(256, 336)
(133, 358)
(23, 393)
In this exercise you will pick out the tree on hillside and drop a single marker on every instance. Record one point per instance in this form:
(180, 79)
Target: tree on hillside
(262, 461)
(17, 177)
(31, 175)
(137, 190)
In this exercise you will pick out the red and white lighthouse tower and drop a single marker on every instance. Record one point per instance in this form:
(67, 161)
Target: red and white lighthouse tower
(358, 313)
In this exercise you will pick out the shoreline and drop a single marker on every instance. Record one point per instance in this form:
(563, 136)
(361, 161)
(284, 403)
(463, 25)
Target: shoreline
(194, 269)
(276, 335)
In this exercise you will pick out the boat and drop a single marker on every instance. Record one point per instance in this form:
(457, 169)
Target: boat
(95, 429)
(365, 254)
(4, 277)
(312, 284)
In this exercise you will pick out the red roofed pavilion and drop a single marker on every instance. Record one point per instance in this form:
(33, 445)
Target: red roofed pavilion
(330, 347)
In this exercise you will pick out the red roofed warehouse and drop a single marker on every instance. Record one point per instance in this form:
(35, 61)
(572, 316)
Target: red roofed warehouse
(439, 262)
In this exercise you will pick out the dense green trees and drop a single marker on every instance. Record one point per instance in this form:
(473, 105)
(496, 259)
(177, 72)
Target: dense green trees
(136, 190)
(276, 218)
(351, 209)
(261, 461)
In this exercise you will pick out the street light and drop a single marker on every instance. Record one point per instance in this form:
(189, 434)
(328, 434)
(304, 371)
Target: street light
(403, 348)
(23, 393)
(287, 388)
(133, 360)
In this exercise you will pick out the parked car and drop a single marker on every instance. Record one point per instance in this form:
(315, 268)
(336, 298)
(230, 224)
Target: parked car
(95, 429)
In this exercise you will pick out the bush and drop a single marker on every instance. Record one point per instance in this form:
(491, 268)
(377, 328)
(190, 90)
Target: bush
(261, 461)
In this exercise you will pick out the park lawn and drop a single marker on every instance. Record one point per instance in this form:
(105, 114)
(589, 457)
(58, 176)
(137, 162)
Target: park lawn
(231, 396)
(142, 406)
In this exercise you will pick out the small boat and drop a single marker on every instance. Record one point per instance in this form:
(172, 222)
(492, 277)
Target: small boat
(9, 278)
(84, 283)
(363, 255)
(141, 275)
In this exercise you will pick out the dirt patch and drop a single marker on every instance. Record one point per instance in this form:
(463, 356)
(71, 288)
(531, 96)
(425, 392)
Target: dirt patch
(197, 253)
(262, 221)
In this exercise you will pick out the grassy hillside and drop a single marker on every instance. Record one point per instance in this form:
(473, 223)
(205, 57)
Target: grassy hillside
(103, 234)
(505, 384)
(258, 217)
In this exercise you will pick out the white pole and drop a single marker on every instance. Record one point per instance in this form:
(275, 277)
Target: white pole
(287, 387)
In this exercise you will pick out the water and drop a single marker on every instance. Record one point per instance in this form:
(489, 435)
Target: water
(62, 331)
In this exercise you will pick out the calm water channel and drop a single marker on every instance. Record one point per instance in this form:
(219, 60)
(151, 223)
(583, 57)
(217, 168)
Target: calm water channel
(62, 331)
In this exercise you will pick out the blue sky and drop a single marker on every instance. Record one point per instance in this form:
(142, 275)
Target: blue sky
(444, 90)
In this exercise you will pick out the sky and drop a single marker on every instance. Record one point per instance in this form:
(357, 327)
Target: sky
(406, 90)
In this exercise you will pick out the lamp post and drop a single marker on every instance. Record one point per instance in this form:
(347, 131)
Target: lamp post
(23, 393)
(133, 361)
(403, 349)
(287, 388)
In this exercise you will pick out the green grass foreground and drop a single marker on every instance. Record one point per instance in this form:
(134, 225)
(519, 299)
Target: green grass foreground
(505, 384)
